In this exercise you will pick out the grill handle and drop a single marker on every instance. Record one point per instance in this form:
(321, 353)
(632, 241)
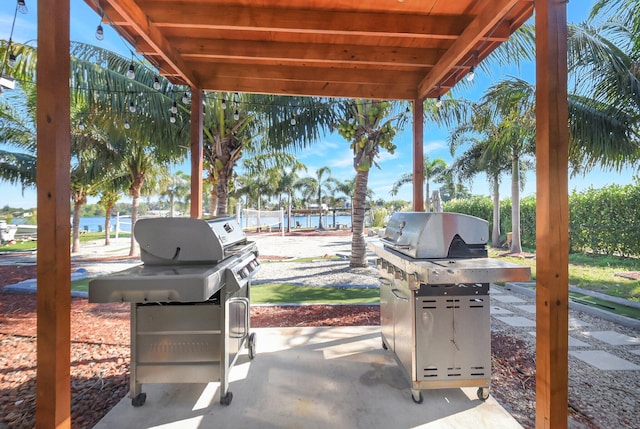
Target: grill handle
(245, 303)
(395, 293)
(396, 245)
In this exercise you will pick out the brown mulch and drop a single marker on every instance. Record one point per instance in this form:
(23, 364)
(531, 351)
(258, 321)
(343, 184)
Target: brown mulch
(100, 354)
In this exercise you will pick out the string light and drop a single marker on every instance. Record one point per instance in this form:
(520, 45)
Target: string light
(132, 106)
(131, 73)
(156, 83)
(100, 32)
(236, 115)
(174, 108)
(224, 104)
(127, 125)
(472, 74)
(185, 98)
(12, 59)
(293, 121)
(81, 125)
(22, 7)
(172, 118)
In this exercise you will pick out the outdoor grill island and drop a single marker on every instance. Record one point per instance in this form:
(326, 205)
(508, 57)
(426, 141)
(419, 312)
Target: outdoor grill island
(434, 298)
(189, 301)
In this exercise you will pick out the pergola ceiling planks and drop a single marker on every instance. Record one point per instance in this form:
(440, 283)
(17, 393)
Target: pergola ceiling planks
(381, 49)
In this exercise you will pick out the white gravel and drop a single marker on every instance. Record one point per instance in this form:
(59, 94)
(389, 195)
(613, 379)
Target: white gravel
(322, 271)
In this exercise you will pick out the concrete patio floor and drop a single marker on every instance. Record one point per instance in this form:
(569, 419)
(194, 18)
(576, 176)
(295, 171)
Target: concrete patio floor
(336, 377)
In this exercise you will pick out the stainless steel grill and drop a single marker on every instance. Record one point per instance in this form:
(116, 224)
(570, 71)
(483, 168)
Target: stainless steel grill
(434, 298)
(189, 301)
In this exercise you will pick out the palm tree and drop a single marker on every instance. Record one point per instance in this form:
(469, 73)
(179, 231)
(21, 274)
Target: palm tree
(253, 125)
(175, 187)
(315, 186)
(368, 126)
(433, 170)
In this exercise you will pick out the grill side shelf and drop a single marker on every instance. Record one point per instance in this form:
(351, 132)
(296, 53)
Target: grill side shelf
(452, 271)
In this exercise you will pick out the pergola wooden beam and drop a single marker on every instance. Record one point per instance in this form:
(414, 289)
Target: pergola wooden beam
(488, 18)
(552, 216)
(197, 113)
(305, 20)
(129, 10)
(418, 155)
(53, 113)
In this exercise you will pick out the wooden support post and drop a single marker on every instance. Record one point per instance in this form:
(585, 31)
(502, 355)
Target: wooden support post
(53, 386)
(197, 113)
(552, 215)
(418, 155)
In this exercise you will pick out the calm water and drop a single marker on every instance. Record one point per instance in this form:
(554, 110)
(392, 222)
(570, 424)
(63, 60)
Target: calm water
(95, 224)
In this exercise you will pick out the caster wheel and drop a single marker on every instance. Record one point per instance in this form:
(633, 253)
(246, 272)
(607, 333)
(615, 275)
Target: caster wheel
(252, 346)
(384, 345)
(417, 397)
(483, 393)
(226, 399)
(139, 400)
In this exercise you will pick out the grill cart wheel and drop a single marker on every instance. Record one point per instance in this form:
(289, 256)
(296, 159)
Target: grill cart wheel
(139, 400)
(416, 395)
(226, 399)
(483, 393)
(252, 345)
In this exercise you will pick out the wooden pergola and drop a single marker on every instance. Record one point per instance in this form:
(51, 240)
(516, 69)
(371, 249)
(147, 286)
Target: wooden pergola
(373, 49)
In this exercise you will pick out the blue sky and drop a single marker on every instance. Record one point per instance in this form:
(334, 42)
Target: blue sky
(332, 151)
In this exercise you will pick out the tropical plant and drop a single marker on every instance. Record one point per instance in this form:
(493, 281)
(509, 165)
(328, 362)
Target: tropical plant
(433, 171)
(256, 125)
(368, 126)
(315, 186)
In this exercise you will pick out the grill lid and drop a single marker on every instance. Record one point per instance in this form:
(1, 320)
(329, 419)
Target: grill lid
(171, 241)
(424, 235)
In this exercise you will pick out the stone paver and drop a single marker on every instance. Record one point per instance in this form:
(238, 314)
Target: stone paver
(500, 310)
(507, 298)
(529, 308)
(614, 338)
(573, 342)
(517, 321)
(604, 360)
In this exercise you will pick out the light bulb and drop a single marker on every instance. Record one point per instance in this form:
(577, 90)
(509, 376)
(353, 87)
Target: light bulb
(12, 60)
(293, 121)
(132, 107)
(350, 120)
(127, 125)
(471, 74)
(100, 32)
(172, 118)
(174, 108)
(439, 102)
(236, 115)
(156, 83)
(81, 125)
(185, 98)
(131, 73)
(224, 104)
(22, 7)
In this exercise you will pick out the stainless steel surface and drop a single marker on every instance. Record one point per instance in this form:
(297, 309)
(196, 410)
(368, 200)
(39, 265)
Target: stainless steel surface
(189, 301)
(173, 241)
(429, 235)
(435, 312)
(452, 270)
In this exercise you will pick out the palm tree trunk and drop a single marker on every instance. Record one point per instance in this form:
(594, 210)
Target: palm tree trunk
(516, 244)
(223, 197)
(135, 203)
(213, 202)
(495, 233)
(358, 245)
(75, 248)
(107, 225)
(427, 206)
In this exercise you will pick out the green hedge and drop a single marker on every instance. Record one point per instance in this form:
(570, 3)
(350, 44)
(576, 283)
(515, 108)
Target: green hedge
(601, 221)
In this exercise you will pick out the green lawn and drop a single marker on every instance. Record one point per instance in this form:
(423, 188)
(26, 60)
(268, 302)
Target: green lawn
(286, 293)
(596, 273)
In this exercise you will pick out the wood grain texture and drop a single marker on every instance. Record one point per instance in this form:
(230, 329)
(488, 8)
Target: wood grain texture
(552, 216)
